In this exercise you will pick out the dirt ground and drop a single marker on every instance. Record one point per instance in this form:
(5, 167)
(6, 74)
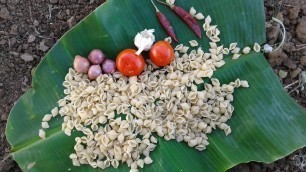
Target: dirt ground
(29, 28)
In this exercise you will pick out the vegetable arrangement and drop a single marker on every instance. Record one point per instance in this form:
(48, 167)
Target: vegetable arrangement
(118, 115)
(255, 119)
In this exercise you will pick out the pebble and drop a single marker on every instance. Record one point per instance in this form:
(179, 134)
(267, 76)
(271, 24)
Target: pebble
(272, 33)
(31, 38)
(5, 14)
(14, 1)
(296, 72)
(288, 62)
(25, 46)
(301, 31)
(13, 41)
(303, 60)
(242, 168)
(2, 93)
(43, 47)
(1, 84)
(36, 23)
(71, 22)
(294, 13)
(304, 9)
(27, 57)
(288, 47)
(256, 168)
(11, 65)
(68, 12)
(14, 29)
(270, 165)
(53, 1)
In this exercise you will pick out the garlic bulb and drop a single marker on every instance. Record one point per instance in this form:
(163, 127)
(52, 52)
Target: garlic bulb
(144, 40)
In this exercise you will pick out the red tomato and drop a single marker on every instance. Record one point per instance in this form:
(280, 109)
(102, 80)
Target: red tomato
(130, 64)
(161, 53)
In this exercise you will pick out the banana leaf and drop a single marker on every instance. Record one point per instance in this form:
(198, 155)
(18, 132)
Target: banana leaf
(266, 125)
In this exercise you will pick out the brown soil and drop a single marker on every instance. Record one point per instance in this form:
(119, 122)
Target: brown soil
(28, 29)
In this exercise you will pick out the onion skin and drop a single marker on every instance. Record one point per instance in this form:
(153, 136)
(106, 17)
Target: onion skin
(81, 64)
(94, 71)
(96, 57)
(109, 66)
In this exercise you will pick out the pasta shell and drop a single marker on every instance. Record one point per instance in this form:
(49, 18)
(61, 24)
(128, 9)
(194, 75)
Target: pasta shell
(199, 16)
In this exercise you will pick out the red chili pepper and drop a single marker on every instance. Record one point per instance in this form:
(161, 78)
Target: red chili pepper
(165, 23)
(186, 17)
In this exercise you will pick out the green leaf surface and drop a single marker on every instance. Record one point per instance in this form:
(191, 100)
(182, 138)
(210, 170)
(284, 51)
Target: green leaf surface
(266, 125)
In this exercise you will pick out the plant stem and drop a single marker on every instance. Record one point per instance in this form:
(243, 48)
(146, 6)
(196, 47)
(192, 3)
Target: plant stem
(155, 6)
(164, 3)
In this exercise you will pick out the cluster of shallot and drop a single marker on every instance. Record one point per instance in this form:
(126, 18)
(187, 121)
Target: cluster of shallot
(121, 116)
(94, 65)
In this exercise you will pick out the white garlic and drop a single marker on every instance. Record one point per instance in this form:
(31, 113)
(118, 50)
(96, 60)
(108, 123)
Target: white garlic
(144, 40)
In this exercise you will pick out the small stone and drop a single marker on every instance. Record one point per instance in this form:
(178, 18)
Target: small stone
(272, 33)
(2, 93)
(68, 12)
(288, 47)
(256, 168)
(288, 36)
(25, 46)
(36, 23)
(282, 74)
(53, 1)
(270, 165)
(1, 84)
(5, 14)
(31, 38)
(304, 9)
(14, 29)
(303, 60)
(13, 41)
(280, 16)
(71, 22)
(11, 65)
(27, 57)
(15, 54)
(289, 63)
(294, 13)
(242, 168)
(43, 47)
(3, 42)
(296, 72)
(301, 31)
(14, 1)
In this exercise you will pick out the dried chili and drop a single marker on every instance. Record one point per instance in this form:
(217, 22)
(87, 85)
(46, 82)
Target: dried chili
(186, 17)
(165, 23)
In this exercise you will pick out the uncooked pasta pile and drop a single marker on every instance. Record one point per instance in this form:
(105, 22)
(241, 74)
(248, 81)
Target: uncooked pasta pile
(120, 117)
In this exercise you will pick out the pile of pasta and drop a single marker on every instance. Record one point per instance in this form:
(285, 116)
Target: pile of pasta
(121, 117)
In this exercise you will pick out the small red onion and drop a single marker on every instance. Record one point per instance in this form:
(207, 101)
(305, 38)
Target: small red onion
(94, 71)
(109, 66)
(96, 57)
(81, 64)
